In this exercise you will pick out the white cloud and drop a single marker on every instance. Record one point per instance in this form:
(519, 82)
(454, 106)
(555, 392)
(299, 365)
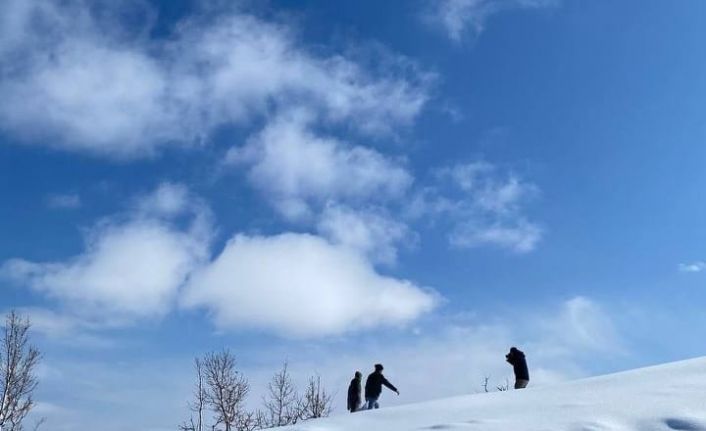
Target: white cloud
(168, 200)
(82, 85)
(457, 17)
(66, 328)
(129, 269)
(303, 286)
(491, 191)
(92, 98)
(370, 231)
(692, 267)
(580, 325)
(141, 264)
(521, 236)
(484, 205)
(64, 201)
(296, 169)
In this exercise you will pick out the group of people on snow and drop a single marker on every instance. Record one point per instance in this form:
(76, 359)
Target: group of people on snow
(375, 382)
(373, 389)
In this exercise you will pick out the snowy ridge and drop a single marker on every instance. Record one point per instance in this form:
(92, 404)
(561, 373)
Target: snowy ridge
(660, 398)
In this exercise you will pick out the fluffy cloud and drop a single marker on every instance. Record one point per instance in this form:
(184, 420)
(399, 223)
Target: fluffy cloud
(370, 231)
(90, 86)
(456, 17)
(296, 169)
(141, 264)
(301, 285)
(92, 98)
(130, 269)
(484, 206)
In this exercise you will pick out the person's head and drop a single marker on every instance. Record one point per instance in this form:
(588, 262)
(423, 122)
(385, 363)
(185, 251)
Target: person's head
(358, 375)
(378, 367)
(513, 350)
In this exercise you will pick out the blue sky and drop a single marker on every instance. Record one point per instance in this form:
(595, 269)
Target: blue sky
(338, 183)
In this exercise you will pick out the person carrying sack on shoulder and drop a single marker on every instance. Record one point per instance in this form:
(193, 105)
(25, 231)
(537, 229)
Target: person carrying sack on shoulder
(516, 358)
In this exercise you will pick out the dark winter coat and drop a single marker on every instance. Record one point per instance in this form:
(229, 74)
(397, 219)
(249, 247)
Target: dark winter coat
(373, 386)
(519, 364)
(354, 400)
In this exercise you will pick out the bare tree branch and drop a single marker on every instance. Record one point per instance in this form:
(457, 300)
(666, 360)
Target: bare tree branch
(281, 406)
(227, 389)
(18, 360)
(199, 404)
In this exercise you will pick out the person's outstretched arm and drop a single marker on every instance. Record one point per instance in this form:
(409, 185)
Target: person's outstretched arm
(390, 385)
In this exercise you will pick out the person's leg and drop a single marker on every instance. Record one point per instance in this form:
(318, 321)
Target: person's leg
(521, 384)
(369, 403)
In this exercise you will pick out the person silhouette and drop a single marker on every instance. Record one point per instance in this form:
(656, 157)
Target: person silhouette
(373, 387)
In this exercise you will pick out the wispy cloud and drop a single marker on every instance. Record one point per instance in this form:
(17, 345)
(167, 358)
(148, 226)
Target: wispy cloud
(219, 68)
(484, 205)
(299, 171)
(66, 328)
(460, 17)
(697, 266)
(64, 201)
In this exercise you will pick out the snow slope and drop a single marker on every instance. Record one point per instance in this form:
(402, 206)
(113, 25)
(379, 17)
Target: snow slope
(665, 397)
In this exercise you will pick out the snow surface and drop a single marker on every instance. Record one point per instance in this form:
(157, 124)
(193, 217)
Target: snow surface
(665, 397)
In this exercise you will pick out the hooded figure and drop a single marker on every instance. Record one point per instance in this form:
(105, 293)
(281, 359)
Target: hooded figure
(354, 400)
(516, 358)
(373, 387)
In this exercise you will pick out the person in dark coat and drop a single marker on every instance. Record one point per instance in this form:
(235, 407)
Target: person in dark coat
(354, 400)
(516, 358)
(373, 387)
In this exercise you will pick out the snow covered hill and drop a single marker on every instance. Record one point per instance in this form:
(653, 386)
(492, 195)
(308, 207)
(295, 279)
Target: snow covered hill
(665, 397)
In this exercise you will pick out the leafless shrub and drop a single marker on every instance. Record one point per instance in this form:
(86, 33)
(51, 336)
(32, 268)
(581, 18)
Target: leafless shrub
(486, 383)
(317, 402)
(251, 421)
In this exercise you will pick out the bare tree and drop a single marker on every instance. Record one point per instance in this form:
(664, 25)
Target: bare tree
(317, 402)
(220, 392)
(226, 391)
(198, 406)
(18, 360)
(281, 402)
